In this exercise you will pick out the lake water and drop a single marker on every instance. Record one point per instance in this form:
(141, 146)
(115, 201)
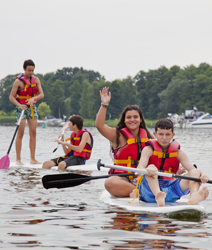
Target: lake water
(75, 218)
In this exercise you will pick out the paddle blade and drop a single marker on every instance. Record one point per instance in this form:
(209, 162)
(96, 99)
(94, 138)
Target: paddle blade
(64, 180)
(5, 162)
(65, 126)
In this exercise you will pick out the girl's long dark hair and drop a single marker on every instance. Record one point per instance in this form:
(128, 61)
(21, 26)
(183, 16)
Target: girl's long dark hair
(121, 123)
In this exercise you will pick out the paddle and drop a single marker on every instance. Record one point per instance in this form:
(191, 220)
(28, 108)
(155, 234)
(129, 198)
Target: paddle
(143, 172)
(5, 161)
(65, 126)
(71, 180)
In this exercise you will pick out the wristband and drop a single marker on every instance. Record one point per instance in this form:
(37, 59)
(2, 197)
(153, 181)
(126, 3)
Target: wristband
(104, 105)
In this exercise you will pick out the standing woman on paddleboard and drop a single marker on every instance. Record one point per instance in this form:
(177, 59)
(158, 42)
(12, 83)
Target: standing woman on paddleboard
(25, 93)
(127, 141)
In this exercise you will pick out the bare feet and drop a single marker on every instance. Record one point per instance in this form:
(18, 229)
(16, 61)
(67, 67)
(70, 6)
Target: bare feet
(18, 162)
(34, 162)
(132, 194)
(198, 196)
(160, 199)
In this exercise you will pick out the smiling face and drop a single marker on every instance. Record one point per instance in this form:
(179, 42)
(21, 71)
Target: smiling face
(164, 136)
(132, 119)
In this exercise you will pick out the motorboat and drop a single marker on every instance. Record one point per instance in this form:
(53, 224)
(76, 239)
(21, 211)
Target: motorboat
(204, 121)
(50, 120)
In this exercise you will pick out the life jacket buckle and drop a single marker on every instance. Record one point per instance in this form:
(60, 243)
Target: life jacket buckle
(138, 140)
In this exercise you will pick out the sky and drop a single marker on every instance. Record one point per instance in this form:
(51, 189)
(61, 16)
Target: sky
(116, 38)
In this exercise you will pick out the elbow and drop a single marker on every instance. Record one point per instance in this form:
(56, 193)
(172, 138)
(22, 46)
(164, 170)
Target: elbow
(98, 125)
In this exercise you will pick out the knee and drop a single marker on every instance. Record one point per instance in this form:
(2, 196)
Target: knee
(61, 165)
(44, 165)
(48, 164)
(20, 134)
(111, 183)
(194, 173)
(32, 133)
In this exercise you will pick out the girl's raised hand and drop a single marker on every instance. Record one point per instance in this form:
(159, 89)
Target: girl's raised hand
(105, 95)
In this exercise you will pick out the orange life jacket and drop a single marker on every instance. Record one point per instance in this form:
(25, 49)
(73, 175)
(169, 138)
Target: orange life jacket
(129, 154)
(165, 162)
(75, 140)
(30, 89)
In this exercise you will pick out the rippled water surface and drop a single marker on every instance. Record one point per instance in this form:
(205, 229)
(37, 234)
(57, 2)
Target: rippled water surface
(75, 218)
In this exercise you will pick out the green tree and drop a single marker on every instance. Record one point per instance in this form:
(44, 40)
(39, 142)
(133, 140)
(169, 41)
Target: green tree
(115, 107)
(43, 110)
(169, 98)
(56, 103)
(6, 85)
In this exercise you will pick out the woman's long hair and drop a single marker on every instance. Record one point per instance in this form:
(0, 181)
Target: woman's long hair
(121, 123)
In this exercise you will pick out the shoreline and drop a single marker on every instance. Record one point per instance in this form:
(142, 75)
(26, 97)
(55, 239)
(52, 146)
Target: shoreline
(87, 123)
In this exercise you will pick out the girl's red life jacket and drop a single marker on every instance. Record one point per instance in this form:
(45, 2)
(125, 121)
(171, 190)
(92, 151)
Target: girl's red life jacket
(129, 154)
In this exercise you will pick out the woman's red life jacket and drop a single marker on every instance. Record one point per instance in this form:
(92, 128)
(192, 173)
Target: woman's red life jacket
(30, 89)
(165, 162)
(129, 154)
(75, 140)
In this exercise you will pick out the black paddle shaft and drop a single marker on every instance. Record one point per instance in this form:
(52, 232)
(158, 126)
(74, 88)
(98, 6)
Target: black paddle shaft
(13, 139)
(72, 180)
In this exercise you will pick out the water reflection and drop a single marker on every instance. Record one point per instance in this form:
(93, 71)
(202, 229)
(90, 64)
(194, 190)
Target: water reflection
(157, 225)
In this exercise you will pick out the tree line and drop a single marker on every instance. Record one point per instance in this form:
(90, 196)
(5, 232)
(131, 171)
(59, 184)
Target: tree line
(157, 92)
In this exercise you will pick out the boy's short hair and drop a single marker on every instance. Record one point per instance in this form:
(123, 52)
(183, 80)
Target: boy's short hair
(28, 63)
(78, 120)
(164, 124)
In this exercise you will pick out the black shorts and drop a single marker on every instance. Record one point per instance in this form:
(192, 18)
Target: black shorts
(69, 160)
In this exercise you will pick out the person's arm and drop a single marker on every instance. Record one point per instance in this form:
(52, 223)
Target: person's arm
(13, 93)
(183, 159)
(144, 159)
(37, 97)
(106, 131)
(67, 145)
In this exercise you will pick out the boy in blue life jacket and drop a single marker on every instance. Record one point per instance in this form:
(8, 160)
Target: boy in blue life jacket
(164, 154)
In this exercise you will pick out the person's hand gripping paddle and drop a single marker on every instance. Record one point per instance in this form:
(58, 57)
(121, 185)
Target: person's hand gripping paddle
(65, 126)
(5, 161)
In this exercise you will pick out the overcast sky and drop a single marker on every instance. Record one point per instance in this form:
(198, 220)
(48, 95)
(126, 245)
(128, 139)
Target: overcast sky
(117, 38)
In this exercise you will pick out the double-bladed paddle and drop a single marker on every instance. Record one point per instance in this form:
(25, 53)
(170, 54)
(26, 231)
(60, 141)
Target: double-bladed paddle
(65, 126)
(144, 171)
(5, 161)
(71, 180)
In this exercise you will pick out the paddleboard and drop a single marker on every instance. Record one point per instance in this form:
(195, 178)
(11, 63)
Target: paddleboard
(88, 166)
(144, 207)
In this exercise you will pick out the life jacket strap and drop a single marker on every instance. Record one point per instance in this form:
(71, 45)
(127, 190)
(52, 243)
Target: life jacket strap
(128, 162)
(164, 155)
(136, 140)
(73, 138)
(29, 86)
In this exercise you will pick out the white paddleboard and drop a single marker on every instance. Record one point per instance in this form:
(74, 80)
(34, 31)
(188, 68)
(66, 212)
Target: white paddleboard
(140, 206)
(86, 167)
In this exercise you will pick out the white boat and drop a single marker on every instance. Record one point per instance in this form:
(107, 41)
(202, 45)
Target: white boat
(140, 206)
(204, 121)
(50, 120)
